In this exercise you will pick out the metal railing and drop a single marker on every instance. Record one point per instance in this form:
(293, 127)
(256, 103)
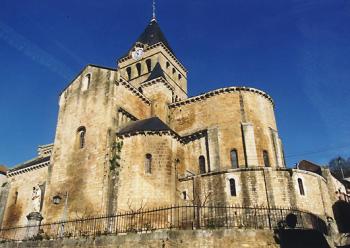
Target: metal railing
(174, 217)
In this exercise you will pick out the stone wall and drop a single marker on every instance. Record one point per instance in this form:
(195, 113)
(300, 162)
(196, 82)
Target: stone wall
(139, 187)
(84, 173)
(262, 187)
(19, 200)
(224, 115)
(166, 239)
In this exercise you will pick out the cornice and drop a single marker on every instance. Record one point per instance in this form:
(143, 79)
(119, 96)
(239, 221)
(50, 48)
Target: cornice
(13, 173)
(128, 86)
(123, 111)
(219, 92)
(183, 140)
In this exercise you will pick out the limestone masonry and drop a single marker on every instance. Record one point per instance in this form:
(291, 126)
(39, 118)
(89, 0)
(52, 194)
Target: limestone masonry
(131, 138)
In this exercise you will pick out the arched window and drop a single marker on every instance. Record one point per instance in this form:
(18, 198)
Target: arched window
(86, 82)
(266, 159)
(179, 76)
(174, 70)
(148, 164)
(149, 65)
(301, 186)
(167, 64)
(233, 187)
(81, 136)
(128, 70)
(138, 67)
(234, 159)
(201, 164)
(16, 197)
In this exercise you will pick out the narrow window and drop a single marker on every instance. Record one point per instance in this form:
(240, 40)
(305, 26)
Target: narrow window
(16, 197)
(234, 159)
(149, 65)
(81, 135)
(301, 186)
(232, 187)
(201, 164)
(174, 70)
(128, 70)
(140, 90)
(184, 195)
(86, 82)
(167, 65)
(266, 159)
(148, 164)
(179, 76)
(138, 67)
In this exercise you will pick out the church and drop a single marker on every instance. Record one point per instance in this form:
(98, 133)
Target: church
(131, 137)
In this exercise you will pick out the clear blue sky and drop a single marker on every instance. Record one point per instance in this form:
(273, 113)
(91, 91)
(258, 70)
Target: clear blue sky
(297, 51)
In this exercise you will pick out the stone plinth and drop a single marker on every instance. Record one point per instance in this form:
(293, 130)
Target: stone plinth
(34, 220)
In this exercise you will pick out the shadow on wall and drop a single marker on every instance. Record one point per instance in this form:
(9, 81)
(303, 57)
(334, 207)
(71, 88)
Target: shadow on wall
(341, 210)
(295, 238)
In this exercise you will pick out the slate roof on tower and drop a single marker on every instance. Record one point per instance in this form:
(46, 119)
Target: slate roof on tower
(152, 35)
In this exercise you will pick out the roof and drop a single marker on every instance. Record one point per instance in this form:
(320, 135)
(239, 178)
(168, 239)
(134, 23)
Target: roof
(32, 162)
(151, 124)
(309, 166)
(156, 72)
(153, 35)
(3, 169)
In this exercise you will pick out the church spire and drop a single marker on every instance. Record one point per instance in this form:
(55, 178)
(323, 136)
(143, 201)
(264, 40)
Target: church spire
(154, 11)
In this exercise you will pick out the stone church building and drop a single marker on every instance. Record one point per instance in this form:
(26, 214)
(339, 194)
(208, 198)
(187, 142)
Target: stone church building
(131, 137)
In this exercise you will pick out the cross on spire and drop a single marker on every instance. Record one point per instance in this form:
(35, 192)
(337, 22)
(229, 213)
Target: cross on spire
(154, 10)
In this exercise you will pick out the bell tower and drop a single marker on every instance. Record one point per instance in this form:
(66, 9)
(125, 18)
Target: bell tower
(152, 61)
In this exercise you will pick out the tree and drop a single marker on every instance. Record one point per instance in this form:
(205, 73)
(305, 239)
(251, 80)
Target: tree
(340, 167)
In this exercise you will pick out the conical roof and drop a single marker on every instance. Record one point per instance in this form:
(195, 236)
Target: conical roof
(156, 72)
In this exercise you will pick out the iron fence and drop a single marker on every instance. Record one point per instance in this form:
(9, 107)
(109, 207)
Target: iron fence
(174, 217)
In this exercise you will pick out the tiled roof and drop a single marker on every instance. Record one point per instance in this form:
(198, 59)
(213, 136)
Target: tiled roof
(309, 166)
(151, 124)
(31, 163)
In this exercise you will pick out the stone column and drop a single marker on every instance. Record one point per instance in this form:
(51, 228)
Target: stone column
(34, 221)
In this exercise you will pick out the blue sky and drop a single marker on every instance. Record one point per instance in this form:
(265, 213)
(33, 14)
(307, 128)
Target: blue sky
(297, 51)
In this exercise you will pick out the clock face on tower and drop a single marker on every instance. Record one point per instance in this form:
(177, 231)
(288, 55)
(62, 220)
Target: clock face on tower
(137, 54)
